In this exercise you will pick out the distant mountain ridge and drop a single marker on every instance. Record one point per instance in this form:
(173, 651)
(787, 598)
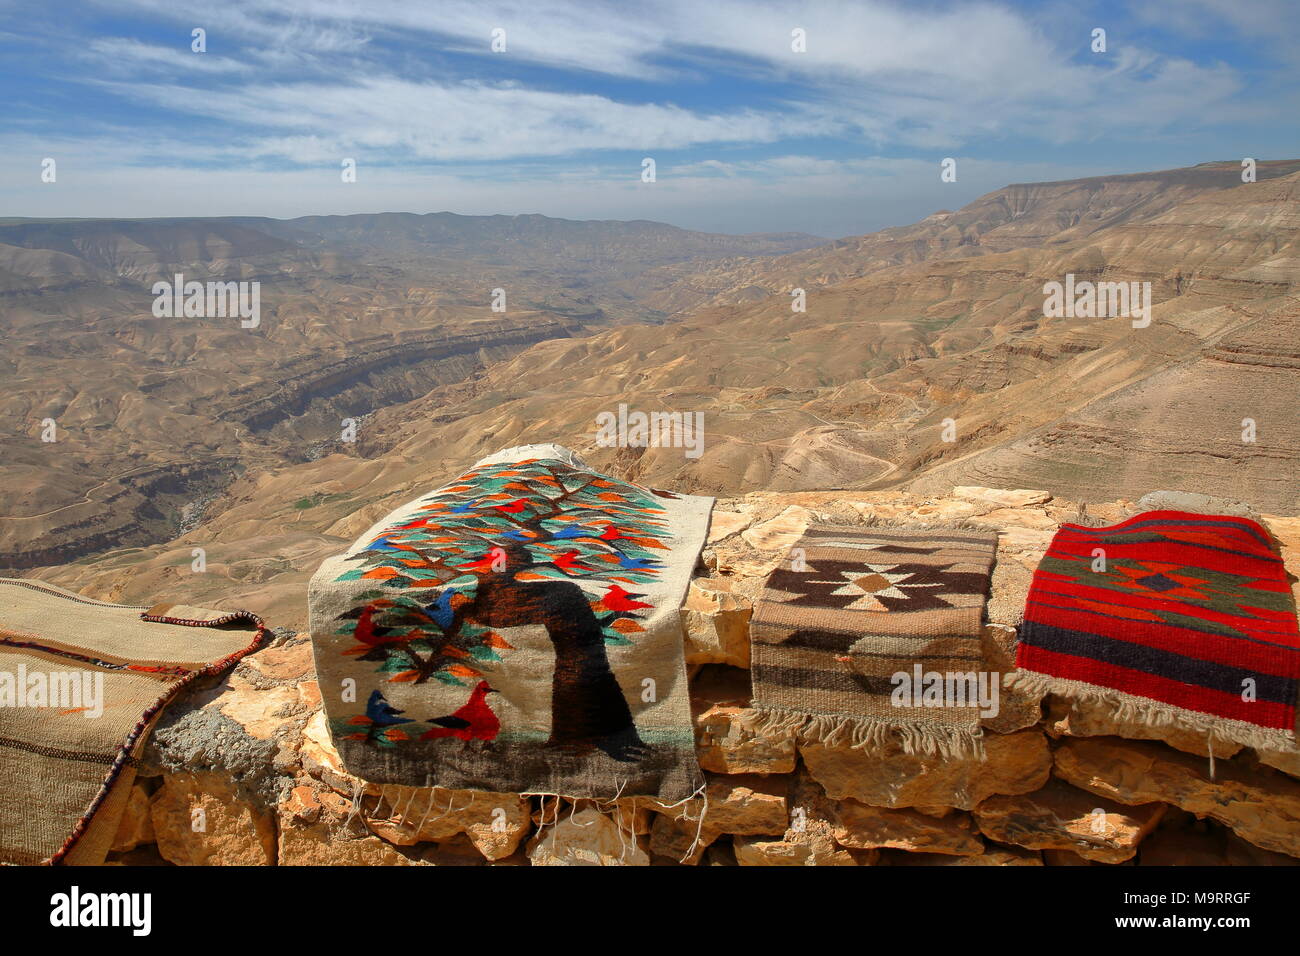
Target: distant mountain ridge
(235, 247)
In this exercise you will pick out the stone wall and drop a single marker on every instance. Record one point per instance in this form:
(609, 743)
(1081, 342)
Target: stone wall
(243, 770)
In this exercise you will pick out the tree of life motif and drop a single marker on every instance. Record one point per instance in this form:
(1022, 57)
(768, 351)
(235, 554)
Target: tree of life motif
(529, 543)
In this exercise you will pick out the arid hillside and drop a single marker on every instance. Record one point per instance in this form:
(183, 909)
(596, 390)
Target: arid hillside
(933, 368)
(153, 415)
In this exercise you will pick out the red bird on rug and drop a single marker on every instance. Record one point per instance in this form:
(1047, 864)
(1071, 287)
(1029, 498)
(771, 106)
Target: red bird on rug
(617, 599)
(474, 721)
(569, 562)
(368, 632)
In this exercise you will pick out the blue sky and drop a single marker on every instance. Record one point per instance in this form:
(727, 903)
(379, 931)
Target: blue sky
(747, 134)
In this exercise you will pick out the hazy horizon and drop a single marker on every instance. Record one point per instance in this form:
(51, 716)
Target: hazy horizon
(526, 214)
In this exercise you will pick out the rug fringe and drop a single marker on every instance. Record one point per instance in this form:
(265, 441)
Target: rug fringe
(1128, 707)
(866, 733)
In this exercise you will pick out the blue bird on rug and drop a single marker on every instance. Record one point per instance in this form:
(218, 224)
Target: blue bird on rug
(572, 531)
(382, 713)
(441, 610)
(635, 564)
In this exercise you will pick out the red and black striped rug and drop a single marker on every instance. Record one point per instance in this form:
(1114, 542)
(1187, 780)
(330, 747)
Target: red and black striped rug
(1175, 618)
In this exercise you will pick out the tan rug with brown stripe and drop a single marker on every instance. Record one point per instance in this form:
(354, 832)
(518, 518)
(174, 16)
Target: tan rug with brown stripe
(82, 683)
(865, 636)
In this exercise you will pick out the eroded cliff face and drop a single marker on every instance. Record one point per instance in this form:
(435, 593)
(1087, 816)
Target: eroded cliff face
(253, 751)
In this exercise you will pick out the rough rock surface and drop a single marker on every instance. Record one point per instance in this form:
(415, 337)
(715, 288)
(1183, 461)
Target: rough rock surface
(865, 827)
(203, 820)
(586, 838)
(252, 753)
(1260, 805)
(1059, 817)
(1012, 763)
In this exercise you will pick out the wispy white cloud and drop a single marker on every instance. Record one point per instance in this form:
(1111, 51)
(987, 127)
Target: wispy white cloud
(587, 87)
(921, 77)
(129, 56)
(401, 119)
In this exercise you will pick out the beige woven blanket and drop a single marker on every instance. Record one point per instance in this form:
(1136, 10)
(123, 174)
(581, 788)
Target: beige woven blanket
(82, 682)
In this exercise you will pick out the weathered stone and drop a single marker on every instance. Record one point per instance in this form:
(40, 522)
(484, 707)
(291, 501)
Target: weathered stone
(1007, 518)
(336, 838)
(716, 624)
(859, 826)
(634, 814)
(136, 826)
(1018, 498)
(781, 532)
(810, 847)
(202, 819)
(679, 839)
(1013, 763)
(454, 851)
(882, 511)
(1017, 708)
(746, 804)
(586, 838)
(1061, 817)
(942, 511)
(723, 524)
(721, 853)
(1261, 805)
(1008, 590)
(261, 711)
(285, 662)
(496, 823)
(1194, 503)
(303, 805)
(736, 805)
(1032, 542)
(1068, 717)
(719, 701)
(320, 759)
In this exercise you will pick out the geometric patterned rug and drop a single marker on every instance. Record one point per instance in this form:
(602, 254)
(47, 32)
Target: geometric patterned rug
(1174, 618)
(853, 616)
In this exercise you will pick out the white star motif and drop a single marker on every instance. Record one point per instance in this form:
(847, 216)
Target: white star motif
(869, 600)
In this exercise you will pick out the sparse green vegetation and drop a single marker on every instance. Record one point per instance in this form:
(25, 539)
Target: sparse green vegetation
(302, 504)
